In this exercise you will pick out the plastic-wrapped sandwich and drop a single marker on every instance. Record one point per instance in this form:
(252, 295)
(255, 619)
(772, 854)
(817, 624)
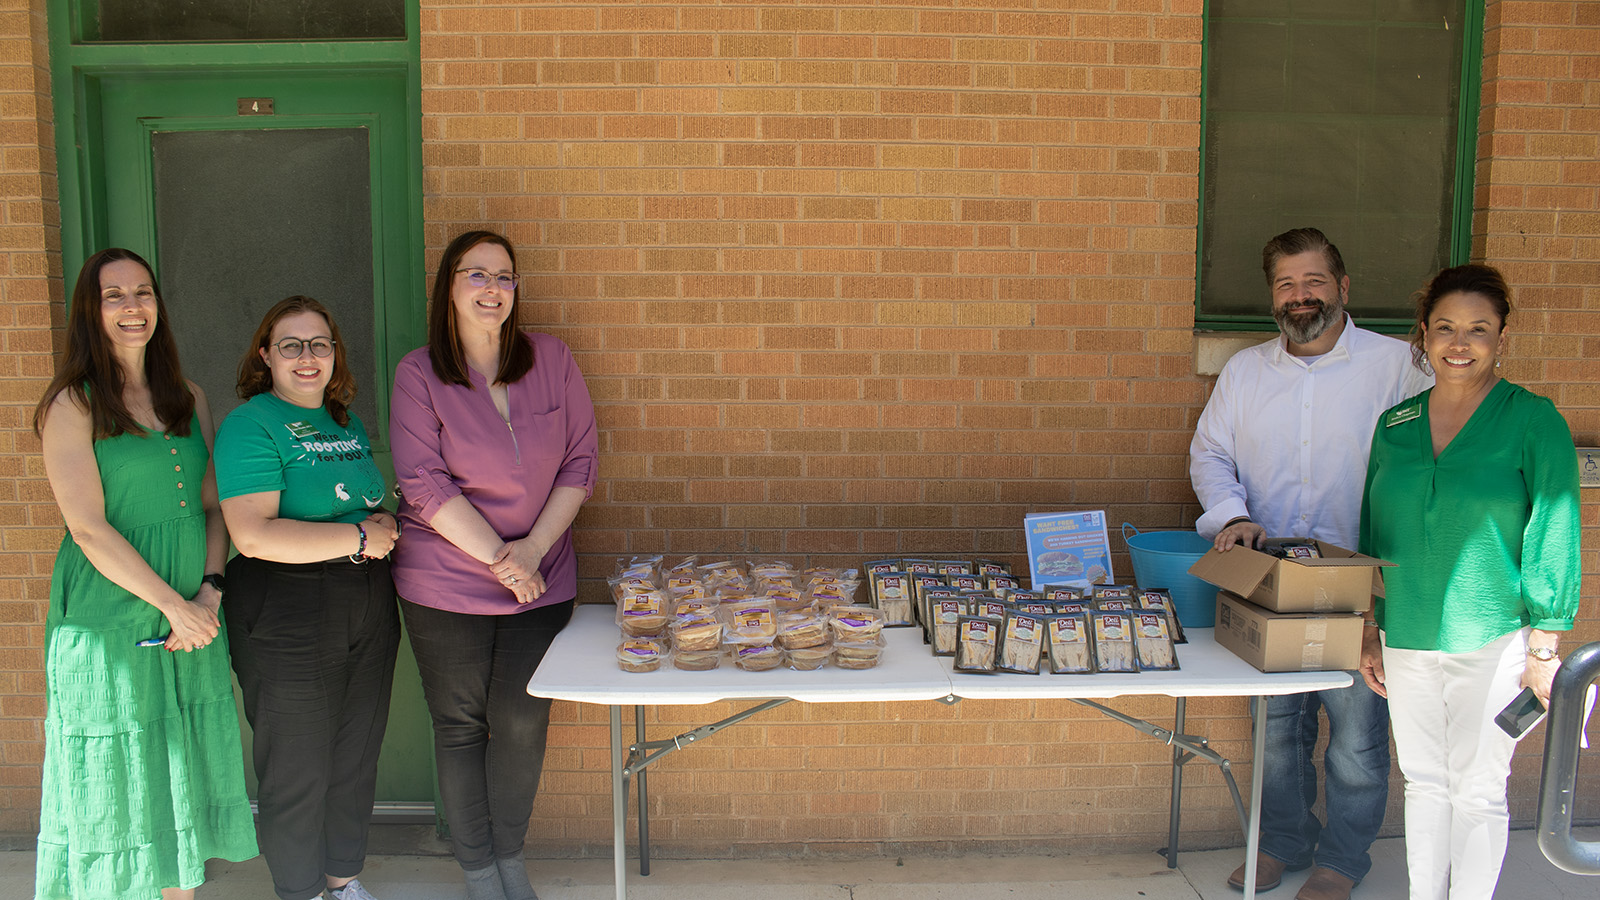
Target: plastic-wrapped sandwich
(1161, 599)
(857, 654)
(977, 639)
(1021, 642)
(1113, 641)
(756, 657)
(697, 660)
(943, 613)
(1068, 644)
(891, 594)
(808, 658)
(855, 624)
(799, 630)
(640, 655)
(1153, 634)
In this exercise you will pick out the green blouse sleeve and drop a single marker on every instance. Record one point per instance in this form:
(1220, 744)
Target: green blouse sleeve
(1551, 572)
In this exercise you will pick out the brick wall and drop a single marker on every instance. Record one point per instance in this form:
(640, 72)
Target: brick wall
(851, 281)
(30, 295)
(1537, 217)
(844, 281)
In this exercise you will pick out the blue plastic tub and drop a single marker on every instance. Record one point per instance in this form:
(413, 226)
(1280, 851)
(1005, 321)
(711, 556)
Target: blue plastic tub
(1161, 559)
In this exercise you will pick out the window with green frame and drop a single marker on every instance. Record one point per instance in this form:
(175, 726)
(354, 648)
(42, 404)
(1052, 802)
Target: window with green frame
(1357, 117)
(167, 21)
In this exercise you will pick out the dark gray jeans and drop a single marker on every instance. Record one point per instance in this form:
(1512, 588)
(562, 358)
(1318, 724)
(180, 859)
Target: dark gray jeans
(475, 672)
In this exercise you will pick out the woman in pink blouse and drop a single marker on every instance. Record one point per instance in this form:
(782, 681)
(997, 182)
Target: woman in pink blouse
(494, 445)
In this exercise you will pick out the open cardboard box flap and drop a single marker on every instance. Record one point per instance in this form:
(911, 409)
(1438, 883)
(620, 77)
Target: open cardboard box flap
(1258, 576)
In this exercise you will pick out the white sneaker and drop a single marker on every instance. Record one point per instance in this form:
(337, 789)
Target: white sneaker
(351, 891)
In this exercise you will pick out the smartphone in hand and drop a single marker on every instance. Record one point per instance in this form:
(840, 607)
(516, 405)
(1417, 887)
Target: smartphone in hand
(1521, 714)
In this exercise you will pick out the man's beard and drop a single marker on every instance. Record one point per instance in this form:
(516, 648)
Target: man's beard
(1303, 329)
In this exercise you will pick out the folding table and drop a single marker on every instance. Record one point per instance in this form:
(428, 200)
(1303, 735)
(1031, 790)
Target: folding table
(580, 667)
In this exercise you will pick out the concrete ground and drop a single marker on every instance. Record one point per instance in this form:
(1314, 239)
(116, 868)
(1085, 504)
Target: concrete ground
(1106, 876)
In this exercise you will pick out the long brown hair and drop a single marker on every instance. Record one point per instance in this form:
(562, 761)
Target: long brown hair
(444, 344)
(90, 372)
(255, 378)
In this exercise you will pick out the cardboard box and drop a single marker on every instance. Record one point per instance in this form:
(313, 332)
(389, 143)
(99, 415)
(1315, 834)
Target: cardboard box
(1288, 642)
(1341, 581)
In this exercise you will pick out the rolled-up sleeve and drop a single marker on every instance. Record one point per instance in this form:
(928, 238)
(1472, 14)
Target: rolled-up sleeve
(414, 439)
(580, 465)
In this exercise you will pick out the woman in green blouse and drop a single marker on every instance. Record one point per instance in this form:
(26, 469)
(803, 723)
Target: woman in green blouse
(1472, 490)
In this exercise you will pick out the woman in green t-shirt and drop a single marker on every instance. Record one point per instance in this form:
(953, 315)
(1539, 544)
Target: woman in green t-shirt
(313, 622)
(1472, 491)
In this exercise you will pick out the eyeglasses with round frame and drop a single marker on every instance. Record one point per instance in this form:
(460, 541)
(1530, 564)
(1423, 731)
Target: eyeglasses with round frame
(481, 278)
(291, 348)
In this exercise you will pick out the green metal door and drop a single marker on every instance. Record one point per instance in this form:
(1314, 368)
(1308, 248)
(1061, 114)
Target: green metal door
(244, 186)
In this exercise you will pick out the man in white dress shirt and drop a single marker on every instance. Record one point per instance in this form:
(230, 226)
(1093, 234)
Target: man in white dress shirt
(1281, 451)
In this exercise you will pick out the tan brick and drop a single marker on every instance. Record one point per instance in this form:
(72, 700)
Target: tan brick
(918, 210)
(918, 157)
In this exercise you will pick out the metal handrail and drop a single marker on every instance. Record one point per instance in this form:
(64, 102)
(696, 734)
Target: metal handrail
(1557, 784)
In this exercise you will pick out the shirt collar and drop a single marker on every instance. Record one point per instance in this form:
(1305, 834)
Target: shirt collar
(1341, 349)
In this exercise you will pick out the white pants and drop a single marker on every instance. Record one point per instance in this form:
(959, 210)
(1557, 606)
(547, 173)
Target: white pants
(1456, 761)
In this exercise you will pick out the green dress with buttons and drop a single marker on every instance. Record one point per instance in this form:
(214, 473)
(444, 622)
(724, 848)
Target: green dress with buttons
(143, 775)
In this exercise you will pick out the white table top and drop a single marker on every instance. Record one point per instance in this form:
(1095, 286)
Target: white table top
(581, 666)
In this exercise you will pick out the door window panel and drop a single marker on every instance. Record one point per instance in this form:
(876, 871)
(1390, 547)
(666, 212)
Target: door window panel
(168, 21)
(232, 208)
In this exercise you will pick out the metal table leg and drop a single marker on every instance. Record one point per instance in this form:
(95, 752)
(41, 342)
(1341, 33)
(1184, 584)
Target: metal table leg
(1186, 747)
(634, 752)
(1252, 840)
(633, 762)
(619, 808)
(1175, 804)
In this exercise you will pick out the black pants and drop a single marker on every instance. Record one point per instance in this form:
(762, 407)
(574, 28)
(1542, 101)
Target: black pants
(488, 733)
(313, 646)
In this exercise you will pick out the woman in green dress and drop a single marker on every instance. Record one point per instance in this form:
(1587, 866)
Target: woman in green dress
(142, 777)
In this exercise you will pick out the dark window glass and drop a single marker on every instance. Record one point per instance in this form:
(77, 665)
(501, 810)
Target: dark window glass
(1338, 114)
(247, 218)
(164, 21)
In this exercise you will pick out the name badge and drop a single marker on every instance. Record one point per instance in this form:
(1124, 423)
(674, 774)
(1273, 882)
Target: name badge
(1401, 416)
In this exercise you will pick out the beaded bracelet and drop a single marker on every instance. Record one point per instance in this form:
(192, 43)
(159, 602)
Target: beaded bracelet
(361, 551)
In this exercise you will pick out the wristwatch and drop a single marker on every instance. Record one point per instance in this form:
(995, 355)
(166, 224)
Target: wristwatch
(1543, 654)
(216, 580)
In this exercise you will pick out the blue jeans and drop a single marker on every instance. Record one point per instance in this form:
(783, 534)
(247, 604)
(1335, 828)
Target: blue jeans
(1357, 763)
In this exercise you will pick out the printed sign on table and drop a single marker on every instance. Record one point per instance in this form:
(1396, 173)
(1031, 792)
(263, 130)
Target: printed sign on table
(1068, 548)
